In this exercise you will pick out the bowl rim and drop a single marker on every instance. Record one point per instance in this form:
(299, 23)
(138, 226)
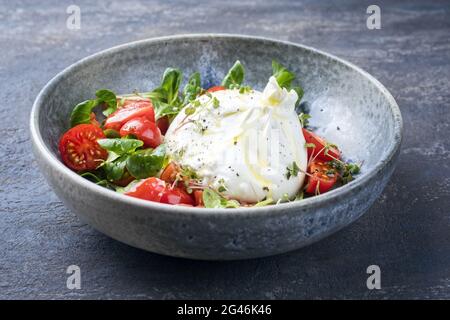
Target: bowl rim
(341, 192)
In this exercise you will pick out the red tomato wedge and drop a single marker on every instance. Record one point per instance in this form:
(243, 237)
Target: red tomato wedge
(149, 189)
(319, 151)
(169, 174)
(144, 130)
(177, 196)
(127, 102)
(131, 110)
(163, 124)
(322, 178)
(157, 190)
(198, 196)
(216, 88)
(79, 148)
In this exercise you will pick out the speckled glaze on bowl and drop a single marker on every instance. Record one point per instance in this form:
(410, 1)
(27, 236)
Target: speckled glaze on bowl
(348, 106)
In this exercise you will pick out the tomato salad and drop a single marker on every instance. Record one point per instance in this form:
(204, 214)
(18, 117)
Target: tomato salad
(150, 145)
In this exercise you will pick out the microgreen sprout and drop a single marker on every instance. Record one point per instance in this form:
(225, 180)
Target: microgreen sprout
(292, 171)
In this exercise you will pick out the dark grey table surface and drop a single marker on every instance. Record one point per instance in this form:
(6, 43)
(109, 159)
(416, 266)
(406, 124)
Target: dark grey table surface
(406, 232)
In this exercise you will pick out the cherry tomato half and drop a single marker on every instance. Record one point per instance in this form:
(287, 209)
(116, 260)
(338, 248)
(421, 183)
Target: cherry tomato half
(323, 178)
(130, 110)
(144, 130)
(216, 88)
(157, 190)
(79, 148)
(149, 189)
(198, 196)
(319, 149)
(169, 174)
(176, 195)
(163, 124)
(126, 102)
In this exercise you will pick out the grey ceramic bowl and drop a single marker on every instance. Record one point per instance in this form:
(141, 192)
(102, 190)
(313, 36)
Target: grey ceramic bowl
(348, 106)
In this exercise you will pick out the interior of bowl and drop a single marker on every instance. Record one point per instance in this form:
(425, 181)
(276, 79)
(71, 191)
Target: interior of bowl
(346, 107)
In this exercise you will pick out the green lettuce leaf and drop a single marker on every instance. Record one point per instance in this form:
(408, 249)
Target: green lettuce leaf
(235, 76)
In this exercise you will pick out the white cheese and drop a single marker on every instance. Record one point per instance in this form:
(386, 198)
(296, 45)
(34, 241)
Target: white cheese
(243, 141)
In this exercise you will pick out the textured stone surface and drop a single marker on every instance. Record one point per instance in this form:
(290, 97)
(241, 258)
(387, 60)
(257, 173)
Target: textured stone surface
(406, 232)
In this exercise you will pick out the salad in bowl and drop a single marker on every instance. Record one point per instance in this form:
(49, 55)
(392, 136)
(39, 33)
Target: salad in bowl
(227, 146)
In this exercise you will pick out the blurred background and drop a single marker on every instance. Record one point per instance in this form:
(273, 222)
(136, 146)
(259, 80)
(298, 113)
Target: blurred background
(406, 232)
